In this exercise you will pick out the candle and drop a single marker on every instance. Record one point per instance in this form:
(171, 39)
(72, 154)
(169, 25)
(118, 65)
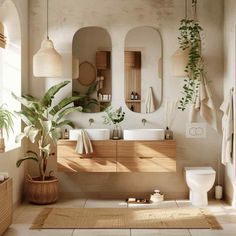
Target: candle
(5, 175)
(1, 178)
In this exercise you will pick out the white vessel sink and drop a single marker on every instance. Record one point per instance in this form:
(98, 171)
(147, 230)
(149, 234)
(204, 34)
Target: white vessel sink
(144, 134)
(94, 134)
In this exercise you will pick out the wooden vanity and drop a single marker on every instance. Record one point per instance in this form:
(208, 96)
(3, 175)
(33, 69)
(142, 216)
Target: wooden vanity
(118, 156)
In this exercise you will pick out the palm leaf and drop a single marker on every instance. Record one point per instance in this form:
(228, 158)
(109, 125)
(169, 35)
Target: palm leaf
(19, 162)
(49, 95)
(63, 103)
(67, 111)
(26, 118)
(64, 123)
(22, 100)
(92, 88)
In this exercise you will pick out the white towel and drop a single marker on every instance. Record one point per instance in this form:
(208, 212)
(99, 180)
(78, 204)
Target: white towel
(170, 112)
(204, 104)
(84, 144)
(227, 128)
(149, 103)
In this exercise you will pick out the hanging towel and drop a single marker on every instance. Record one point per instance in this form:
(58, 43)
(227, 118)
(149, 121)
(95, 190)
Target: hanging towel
(204, 104)
(84, 144)
(227, 128)
(170, 112)
(149, 103)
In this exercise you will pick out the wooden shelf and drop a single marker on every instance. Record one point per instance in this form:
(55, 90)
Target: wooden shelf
(131, 101)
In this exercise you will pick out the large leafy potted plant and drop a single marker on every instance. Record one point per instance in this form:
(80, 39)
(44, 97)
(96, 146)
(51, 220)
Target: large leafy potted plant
(42, 127)
(6, 124)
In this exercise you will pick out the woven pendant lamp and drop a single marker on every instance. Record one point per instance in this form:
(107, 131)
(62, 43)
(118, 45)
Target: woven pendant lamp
(179, 62)
(47, 62)
(2, 36)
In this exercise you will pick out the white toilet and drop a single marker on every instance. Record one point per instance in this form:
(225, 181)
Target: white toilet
(199, 180)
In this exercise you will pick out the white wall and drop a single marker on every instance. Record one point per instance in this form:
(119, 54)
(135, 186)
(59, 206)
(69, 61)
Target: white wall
(118, 17)
(8, 159)
(229, 82)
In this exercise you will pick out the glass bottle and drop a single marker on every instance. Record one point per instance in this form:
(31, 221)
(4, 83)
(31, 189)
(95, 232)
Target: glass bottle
(168, 134)
(117, 132)
(132, 96)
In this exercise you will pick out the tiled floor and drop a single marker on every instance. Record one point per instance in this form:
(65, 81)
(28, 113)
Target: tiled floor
(24, 215)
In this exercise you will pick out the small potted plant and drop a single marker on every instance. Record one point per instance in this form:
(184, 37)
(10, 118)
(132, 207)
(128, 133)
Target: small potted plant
(114, 117)
(42, 127)
(6, 125)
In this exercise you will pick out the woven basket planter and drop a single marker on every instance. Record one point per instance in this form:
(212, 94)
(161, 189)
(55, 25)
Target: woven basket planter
(6, 208)
(42, 192)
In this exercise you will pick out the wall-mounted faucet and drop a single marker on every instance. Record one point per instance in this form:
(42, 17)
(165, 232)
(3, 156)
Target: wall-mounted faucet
(91, 120)
(144, 121)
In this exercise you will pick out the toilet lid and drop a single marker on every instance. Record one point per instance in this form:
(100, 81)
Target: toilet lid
(199, 170)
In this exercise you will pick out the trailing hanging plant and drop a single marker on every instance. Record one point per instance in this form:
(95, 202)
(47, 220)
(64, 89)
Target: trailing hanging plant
(190, 39)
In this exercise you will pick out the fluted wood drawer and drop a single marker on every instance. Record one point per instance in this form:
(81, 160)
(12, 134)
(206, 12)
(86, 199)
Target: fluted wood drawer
(78, 164)
(146, 164)
(138, 149)
(101, 149)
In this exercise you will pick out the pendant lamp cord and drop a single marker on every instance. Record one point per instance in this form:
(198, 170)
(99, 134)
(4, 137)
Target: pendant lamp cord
(194, 5)
(47, 20)
(186, 9)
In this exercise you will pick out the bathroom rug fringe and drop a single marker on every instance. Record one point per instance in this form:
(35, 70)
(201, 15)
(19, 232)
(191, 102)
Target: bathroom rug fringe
(125, 218)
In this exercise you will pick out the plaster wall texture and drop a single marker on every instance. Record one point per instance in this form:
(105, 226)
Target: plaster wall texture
(229, 82)
(8, 159)
(118, 17)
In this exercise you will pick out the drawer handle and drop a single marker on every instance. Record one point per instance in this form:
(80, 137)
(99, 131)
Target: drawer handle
(145, 157)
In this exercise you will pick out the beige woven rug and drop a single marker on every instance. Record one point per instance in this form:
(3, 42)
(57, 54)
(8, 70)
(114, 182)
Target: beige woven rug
(125, 218)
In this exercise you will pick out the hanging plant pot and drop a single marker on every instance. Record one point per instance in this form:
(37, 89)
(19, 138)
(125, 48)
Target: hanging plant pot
(42, 192)
(2, 145)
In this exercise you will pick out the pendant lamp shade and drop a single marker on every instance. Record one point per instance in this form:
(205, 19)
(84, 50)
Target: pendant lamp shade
(47, 62)
(179, 62)
(2, 36)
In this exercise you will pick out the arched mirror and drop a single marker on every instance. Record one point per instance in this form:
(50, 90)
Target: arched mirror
(91, 68)
(143, 69)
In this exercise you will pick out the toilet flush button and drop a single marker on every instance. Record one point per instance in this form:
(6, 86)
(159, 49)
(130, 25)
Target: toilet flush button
(196, 130)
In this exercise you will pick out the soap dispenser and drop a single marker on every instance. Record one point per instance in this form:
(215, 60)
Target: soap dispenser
(168, 134)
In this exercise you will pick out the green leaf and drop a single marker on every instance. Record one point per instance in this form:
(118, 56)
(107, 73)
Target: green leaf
(46, 125)
(26, 117)
(19, 137)
(55, 135)
(92, 88)
(49, 95)
(68, 111)
(63, 103)
(31, 133)
(46, 149)
(64, 123)
(19, 162)
(22, 100)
